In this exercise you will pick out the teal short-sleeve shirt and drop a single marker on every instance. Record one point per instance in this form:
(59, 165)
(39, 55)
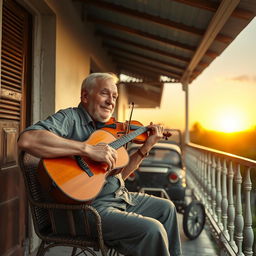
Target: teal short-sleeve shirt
(76, 124)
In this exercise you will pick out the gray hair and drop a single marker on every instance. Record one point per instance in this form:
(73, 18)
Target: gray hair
(90, 81)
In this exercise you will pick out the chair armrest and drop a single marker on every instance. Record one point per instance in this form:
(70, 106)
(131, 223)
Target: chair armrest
(68, 207)
(83, 207)
(58, 206)
(61, 206)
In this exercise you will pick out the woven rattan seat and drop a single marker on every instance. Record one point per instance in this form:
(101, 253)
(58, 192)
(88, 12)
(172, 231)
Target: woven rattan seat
(43, 213)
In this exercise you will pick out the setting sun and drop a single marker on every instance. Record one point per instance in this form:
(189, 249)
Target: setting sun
(231, 121)
(230, 124)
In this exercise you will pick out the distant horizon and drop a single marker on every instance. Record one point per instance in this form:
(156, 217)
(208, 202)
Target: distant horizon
(251, 129)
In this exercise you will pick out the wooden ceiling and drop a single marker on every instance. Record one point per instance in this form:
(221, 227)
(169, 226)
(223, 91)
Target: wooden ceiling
(174, 38)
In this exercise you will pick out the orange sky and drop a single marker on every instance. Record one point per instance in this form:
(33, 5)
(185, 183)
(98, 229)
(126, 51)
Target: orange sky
(222, 98)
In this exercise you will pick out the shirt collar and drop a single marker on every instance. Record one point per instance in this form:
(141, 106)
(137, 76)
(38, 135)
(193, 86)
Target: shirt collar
(86, 117)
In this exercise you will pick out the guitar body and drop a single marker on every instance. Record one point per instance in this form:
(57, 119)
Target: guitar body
(73, 184)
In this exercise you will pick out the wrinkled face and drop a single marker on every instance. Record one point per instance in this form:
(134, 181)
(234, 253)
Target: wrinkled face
(101, 100)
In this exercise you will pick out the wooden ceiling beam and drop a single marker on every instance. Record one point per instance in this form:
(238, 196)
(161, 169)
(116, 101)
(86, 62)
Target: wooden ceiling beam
(218, 21)
(155, 19)
(148, 36)
(137, 70)
(157, 67)
(147, 67)
(213, 6)
(169, 64)
(142, 15)
(140, 33)
(144, 47)
(207, 5)
(148, 17)
(144, 74)
(144, 82)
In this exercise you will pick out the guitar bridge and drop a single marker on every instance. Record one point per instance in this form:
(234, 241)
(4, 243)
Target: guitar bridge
(83, 165)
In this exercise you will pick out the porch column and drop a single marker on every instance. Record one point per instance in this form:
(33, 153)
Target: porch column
(185, 89)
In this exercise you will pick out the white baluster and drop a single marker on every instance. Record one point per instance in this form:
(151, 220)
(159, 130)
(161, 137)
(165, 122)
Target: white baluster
(239, 220)
(209, 185)
(195, 160)
(201, 178)
(196, 163)
(218, 195)
(214, 188)
(198, 168)
(205, 169)
(224, 201)
(248, 232)
(231, 208)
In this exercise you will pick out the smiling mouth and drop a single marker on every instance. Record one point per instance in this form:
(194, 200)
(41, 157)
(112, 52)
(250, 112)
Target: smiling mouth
(107, 109)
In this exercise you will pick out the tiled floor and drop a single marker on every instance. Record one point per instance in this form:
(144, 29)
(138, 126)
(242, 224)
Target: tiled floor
(202, 246)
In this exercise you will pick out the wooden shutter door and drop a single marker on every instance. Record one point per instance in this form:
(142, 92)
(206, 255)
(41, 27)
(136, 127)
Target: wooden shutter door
(14, 97)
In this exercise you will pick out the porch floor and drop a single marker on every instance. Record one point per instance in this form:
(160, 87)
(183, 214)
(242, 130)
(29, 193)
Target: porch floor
(203, 245)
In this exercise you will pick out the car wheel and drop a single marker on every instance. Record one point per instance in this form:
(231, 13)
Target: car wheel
(193, 219)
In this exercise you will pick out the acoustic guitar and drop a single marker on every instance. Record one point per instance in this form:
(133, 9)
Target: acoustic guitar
(78, 179)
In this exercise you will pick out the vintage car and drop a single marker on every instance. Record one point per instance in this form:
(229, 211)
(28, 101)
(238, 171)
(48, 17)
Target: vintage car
(162, 173)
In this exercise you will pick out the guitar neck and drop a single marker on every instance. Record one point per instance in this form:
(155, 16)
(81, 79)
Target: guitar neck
(127, 138)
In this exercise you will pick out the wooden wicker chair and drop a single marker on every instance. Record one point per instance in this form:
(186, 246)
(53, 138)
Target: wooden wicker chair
(44, 222)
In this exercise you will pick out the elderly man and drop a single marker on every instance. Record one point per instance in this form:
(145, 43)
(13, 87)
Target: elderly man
(133, 223)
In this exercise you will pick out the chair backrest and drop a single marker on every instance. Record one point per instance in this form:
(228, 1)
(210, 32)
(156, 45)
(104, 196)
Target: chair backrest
(43, 213)
(41, 219)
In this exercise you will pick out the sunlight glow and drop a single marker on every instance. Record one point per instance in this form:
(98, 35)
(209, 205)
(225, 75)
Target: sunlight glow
(231, 121)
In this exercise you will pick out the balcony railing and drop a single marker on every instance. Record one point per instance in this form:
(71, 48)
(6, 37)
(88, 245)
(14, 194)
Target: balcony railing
(222, 182)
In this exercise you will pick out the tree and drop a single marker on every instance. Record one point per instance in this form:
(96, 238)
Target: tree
(197, 128)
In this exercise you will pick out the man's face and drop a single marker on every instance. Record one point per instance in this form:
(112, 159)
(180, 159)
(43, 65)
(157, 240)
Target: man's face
(100, 102)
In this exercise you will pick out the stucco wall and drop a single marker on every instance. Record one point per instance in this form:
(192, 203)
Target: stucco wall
(122, 106)
(76, 44)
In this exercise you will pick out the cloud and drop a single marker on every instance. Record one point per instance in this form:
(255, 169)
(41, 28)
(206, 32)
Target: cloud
(243, 78)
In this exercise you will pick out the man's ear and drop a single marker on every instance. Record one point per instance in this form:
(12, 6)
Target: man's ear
(84, 96)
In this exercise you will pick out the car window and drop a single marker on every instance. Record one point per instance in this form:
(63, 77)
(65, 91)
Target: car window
(159, 155)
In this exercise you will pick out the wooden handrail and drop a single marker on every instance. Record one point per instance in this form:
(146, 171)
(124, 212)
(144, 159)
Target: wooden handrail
(238, 159)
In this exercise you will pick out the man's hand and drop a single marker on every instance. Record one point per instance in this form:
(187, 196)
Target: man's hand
(102, 153)
(155, 134)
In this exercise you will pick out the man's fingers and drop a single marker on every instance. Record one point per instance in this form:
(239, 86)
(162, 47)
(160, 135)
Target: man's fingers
(156, 129)
(111, 157)
(102, 152)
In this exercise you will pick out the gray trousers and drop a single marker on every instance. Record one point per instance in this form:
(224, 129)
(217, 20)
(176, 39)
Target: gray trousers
(149, 228)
